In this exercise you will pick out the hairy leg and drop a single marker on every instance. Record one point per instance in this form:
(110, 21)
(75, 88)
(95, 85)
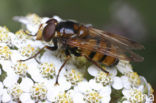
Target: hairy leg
(34, 56)
(57, 77)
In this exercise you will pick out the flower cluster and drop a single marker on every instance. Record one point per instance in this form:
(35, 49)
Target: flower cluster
(33, 80)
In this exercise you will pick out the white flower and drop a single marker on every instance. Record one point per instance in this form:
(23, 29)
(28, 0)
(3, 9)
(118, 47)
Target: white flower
(150, 98)
(34, 80)
(47, 70)
(124, 67)
(32, 22)
(15, 92)
(26, 84)
(5, 35)
(134, 78)
(22, 35)
(100, 76)
(10, 80)
(77, 97)
(26, 98)
(74, 76)
(5, 52)
(20, 68)
(5, 97)
(27, 50)
(64, 98)
(54, 90)
(87, 89)
(39, 92)
(134, 95)
(92, 96)
(1, 89)
(117, 83)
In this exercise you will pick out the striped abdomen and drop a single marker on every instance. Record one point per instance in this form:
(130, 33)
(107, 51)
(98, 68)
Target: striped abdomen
(98, 56)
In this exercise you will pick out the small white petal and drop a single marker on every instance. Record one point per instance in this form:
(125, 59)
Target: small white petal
(57, 18)
(6, 97)
(106, 99)
(126, 83)
(124, 67)
(112, 71)
(10, 80)
(44, 102)
(32, 28)
(106, 94)
(15, 56)
(117, 83)
(126, 102)
(106, 90)
(82, 87)
(52, 93)
(44, 19)
(6, 66)
(94, 85)
(77, 97)
(125, 92)
(63, 84)
(21, 19)
(1, 88)
(26, 84)
(25, 97)
(49, 58)
(29, 101)
(93, 70)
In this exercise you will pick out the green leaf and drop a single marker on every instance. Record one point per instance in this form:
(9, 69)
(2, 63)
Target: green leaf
(3, 74)
(19, 80)
(13, 47)
(116, 96)
(29, 76)
(41, 54)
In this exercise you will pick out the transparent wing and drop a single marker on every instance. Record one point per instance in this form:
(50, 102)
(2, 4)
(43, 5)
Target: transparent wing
(109, 44)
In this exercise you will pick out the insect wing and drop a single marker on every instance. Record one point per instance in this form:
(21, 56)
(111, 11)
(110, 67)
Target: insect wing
(111, 45)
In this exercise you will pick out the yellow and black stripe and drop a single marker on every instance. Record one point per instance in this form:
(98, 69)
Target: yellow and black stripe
(99, 57)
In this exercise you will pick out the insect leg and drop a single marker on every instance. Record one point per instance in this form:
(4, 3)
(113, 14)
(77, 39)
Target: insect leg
(48, 47)
(68, 57)
(96, 64)
(36, 33)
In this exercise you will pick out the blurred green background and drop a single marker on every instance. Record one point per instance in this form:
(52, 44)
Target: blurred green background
(132, 18)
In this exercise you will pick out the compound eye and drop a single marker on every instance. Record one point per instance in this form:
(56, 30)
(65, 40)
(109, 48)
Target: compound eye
(49, 32)
(52, 21)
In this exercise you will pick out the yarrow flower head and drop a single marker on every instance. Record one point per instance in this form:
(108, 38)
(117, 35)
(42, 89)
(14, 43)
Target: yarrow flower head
(64, 98)
(5, 52)
(74, 76)
(134, 95)
(92, 96)
(134, 78)
(21, 34)
(38, 92)
(27, 50)
(103, 78)
(20, 68)
(47, 70)
(4, 35)
(16, 92)
(35, 80)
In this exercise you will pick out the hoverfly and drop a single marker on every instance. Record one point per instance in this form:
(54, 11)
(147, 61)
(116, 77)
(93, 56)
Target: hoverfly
(98, 46)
